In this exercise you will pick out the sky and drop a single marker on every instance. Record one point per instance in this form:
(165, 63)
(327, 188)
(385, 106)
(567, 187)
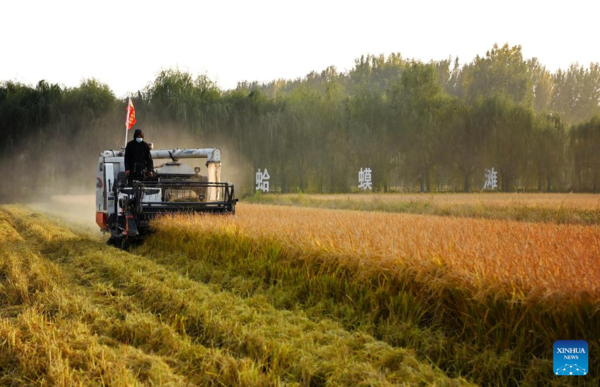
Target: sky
(126, 43)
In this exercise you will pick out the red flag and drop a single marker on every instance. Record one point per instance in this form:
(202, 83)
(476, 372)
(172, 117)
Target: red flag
(130, 118)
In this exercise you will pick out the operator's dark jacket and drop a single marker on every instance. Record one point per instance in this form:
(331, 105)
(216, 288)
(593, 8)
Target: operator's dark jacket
(138, 157)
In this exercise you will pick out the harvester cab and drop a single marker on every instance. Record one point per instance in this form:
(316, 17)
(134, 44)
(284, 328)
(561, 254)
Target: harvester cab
(124, 206)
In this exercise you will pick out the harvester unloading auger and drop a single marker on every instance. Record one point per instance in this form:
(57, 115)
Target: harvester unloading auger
(124, 207)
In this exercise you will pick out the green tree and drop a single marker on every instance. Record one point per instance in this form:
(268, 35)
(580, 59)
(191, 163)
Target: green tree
(502, 71)
(585, 142)
(509, 140)
(543, 86)
(417, 102)
(466, 129)
(548, 153)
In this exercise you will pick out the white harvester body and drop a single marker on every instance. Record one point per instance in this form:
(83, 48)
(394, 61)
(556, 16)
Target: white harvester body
(175, 187)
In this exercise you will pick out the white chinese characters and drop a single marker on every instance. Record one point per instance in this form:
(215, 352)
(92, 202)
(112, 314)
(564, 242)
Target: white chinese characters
(491, 179)
(364, 179)
(262, 180)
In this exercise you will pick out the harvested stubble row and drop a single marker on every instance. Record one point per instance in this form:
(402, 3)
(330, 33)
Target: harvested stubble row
(79, 312)
(494, 295)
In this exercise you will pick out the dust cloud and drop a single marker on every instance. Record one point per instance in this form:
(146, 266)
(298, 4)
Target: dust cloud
(56, 174)
(60, 181)
(235, 168)
(75, 211)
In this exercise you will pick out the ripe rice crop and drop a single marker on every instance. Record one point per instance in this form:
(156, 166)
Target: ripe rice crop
(547, 200)
(554, 208)
(541, 260)
(480, 298)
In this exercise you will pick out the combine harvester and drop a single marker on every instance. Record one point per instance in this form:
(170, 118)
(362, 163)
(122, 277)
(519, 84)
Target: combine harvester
(124, 207)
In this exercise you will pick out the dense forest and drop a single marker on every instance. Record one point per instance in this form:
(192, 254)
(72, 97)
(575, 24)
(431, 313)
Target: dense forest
(419, 126)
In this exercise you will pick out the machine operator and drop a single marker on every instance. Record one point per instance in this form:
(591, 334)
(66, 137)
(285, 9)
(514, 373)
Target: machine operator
(138, 160)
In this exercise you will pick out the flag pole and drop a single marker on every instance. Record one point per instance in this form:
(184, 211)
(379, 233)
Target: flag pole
(127, 121)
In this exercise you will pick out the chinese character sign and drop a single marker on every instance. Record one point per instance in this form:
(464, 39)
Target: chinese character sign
(491, 179)
(364, 179)
(262, 180)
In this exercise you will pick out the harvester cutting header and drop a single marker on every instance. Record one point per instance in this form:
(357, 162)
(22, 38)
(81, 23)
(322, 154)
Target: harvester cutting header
(126, 204)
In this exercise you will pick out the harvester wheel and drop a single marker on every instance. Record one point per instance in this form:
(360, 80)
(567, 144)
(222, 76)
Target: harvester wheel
(125, 244)
(119, 243)
(113, 241)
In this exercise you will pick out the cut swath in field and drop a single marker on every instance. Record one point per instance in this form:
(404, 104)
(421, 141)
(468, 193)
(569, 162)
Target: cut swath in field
(152, 326)
(60, 328)
(491, 287)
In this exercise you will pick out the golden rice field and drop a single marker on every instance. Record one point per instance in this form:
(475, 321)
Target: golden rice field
(525, 259)
(569, 208)
(480, 298)
(280, 295)
(579, 201)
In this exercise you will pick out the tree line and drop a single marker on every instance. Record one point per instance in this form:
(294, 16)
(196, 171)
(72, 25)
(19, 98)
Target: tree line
(432, 126)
